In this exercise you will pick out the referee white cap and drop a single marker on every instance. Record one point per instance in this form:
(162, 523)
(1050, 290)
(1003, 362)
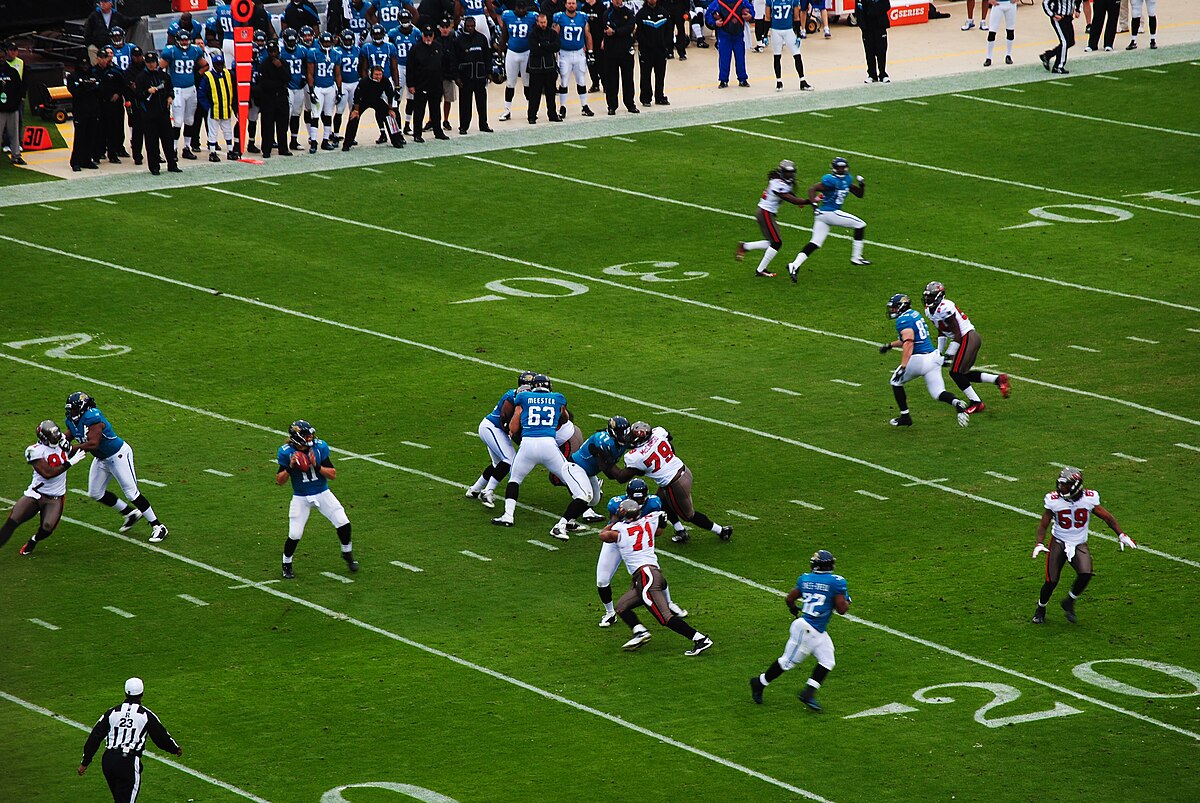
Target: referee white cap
(134, 687)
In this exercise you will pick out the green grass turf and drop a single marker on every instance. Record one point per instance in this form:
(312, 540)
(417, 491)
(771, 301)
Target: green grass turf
(287, 700)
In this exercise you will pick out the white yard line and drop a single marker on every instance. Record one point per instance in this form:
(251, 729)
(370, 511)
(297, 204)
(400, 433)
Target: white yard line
(867, 109)
(624, 139)
(901, 249)
(1000, 476)
(827, 148)
(217, 473)
(871, 495)
(199, 602)
(1188, 446)
(924, 482)
(808, 505)
(408, 566)
(1026, 357)
(787, 392)
(820, 114)
(381, 454)
(1084, 348)
(249, 585)
(373, 170)
(119, 612)
(44, 623)
(477, 556)
(847, 382)
(1129, 457)
(159, 194)
(723, 399)
(79, 726)
(338, 577)
(1087, 117)
(742, 515)
(543, 545)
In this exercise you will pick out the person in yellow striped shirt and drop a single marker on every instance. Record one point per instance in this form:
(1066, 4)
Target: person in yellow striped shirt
(218, 99)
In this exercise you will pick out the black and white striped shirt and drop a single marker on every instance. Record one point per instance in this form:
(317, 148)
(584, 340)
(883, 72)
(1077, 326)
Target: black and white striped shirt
(1062, 8)
(125, 728)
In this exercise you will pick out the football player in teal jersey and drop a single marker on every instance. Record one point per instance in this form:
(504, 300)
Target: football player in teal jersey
(305, 460)
(113, 459)
(404, 37)
(786, 29)
(348, 55)
(576, 49)
(820, 592)
(295, 55)
(322, 91)
(918, 358)
(493, 431)
(516, 25)
(362, 16)
(827, 196)
(600, 453)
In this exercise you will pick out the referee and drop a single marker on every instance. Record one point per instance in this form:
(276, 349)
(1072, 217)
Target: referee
(123, 730)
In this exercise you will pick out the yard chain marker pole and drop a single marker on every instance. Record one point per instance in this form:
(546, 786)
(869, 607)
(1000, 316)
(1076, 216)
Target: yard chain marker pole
(243, 56)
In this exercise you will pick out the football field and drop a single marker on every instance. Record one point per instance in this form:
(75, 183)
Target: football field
(391, 306)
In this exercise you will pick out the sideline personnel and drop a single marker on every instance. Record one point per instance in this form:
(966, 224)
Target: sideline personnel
(124, 729)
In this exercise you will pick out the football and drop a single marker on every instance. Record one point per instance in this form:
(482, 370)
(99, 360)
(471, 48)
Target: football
(301, 461)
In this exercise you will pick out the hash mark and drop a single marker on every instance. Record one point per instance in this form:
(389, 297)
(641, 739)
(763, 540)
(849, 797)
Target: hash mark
(45, 624)
(201, 603)
(820, 114)
(1151, 69)
(337, 577)
(1188, 446)
(866, 109)
(1141, 340)
(1106, 77)
(268, 181)
(1059, 83)
(543, 545)
(153, 482)
(625, 139)
(575, 145)
(1011, 89)
(847, 382)
(56, 209)
(218, 473)
(873, 496)
(415, 445)
(160, 195)
(254, 585)
(471, 554)
(1197, 331)
(425, 164)
(772, 121)
(787, 392)
(373, 170)
(1000, 476)
(319, 175)
(742, 515)
(1084, 348)
(917, 102)
(673, 133)
(119, 612)
(408, 566)
(527, 153)
(723, 399)
(808, 505)
(1026, 357)
(1129, 457)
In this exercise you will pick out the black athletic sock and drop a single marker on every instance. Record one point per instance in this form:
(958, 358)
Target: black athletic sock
(819, 674)
(605, 593)
(337, 123)
(629, 618)
(778, 68)
(512, 491)
(486, 474)
(700, 520)
(343, 534)
(500, 471)
(143, 504)
(800, 66)
(860, 233)
(575, 509)
(901, 398)
(295, 126)
(949, 398)
(42, 535)
(681, 627)
(289, 548)
(810, 249)
(773, 671)
(1153, 26)
(1045, 594)
(112, 501)
(251, 129)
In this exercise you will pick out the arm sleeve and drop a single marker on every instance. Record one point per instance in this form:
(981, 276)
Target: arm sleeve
(99, 731)
(159, 734)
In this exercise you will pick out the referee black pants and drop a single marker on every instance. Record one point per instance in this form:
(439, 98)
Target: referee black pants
(1064, 29)
(124, 775)
(1104, 20)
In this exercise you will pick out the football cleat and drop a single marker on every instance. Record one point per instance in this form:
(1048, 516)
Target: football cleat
(675, 609)
(1003, 383)
(764, 274)
(472, 493)
(681, 537)
(131, 518)
(976, 407)
(1008, 60)
(487, 499)
(902, 421)
(1039, 616)
(159, 534)
(964, 419)
(504, 118)
(1068, 606)
(807, 699)
(288, 574)
(351, 563)
(859, 261)
(739, 253)
(608, 620)
(897, 305)
(574, 526)
(591, 515)
(822, 561)
(698, 646)
(792, 269)
(1045, 57)
(639, 638)
(502, 521)
(756, 689)
(778, 86)
(987, 62)
(726, 533)
(805, 86)
(1070, 483)
(28, 547)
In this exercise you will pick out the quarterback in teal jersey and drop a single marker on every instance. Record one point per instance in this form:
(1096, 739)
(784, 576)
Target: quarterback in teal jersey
(821, 593)
(918, 359)
(304, 459)
(827, 196)
(113, 459)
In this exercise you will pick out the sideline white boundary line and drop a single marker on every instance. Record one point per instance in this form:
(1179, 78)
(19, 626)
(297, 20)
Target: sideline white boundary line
(46, 712)
(1089, 118)
(798, 227)
(379, 631)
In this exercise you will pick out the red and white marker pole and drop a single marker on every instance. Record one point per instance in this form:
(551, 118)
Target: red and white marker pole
(243, 54)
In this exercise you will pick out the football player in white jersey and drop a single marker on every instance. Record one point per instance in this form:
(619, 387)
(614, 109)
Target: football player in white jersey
(634, 536)
(781, 186)
(650, 453)
(960, 342)
(1003, 12)
(50, 458)
(1068, 511)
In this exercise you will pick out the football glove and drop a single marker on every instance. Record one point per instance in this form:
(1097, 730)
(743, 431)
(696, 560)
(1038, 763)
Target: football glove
(591, 59)
(312, 97)
(1125, 541)
(885, 348)
(1039, 549)
(337, 98)
(79, 455)
(898, 374)
(794, 610)
(861, 181)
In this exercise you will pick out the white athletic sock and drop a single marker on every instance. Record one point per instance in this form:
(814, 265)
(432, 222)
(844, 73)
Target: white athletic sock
(757, 245)
(478, 485)
(971, 394)
(491, 484)
(609, 610)
(679, 526)
(1008, 46)
(716, 528)
(813, 683)
(763, 680)
(991, 379)
(347, 548)
(510, 507)
(856, 249)
(583, 97)
(562, 99)
(990, 47)
(766, 260)
(800, 259)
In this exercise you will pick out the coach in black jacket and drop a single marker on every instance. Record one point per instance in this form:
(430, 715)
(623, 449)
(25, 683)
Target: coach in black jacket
(474, 69)
(152, 94)
(544, 45)
(616, 44)
(654, 43)
(425, 83)
(271, 96)
(873, 22)
(374, 92)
